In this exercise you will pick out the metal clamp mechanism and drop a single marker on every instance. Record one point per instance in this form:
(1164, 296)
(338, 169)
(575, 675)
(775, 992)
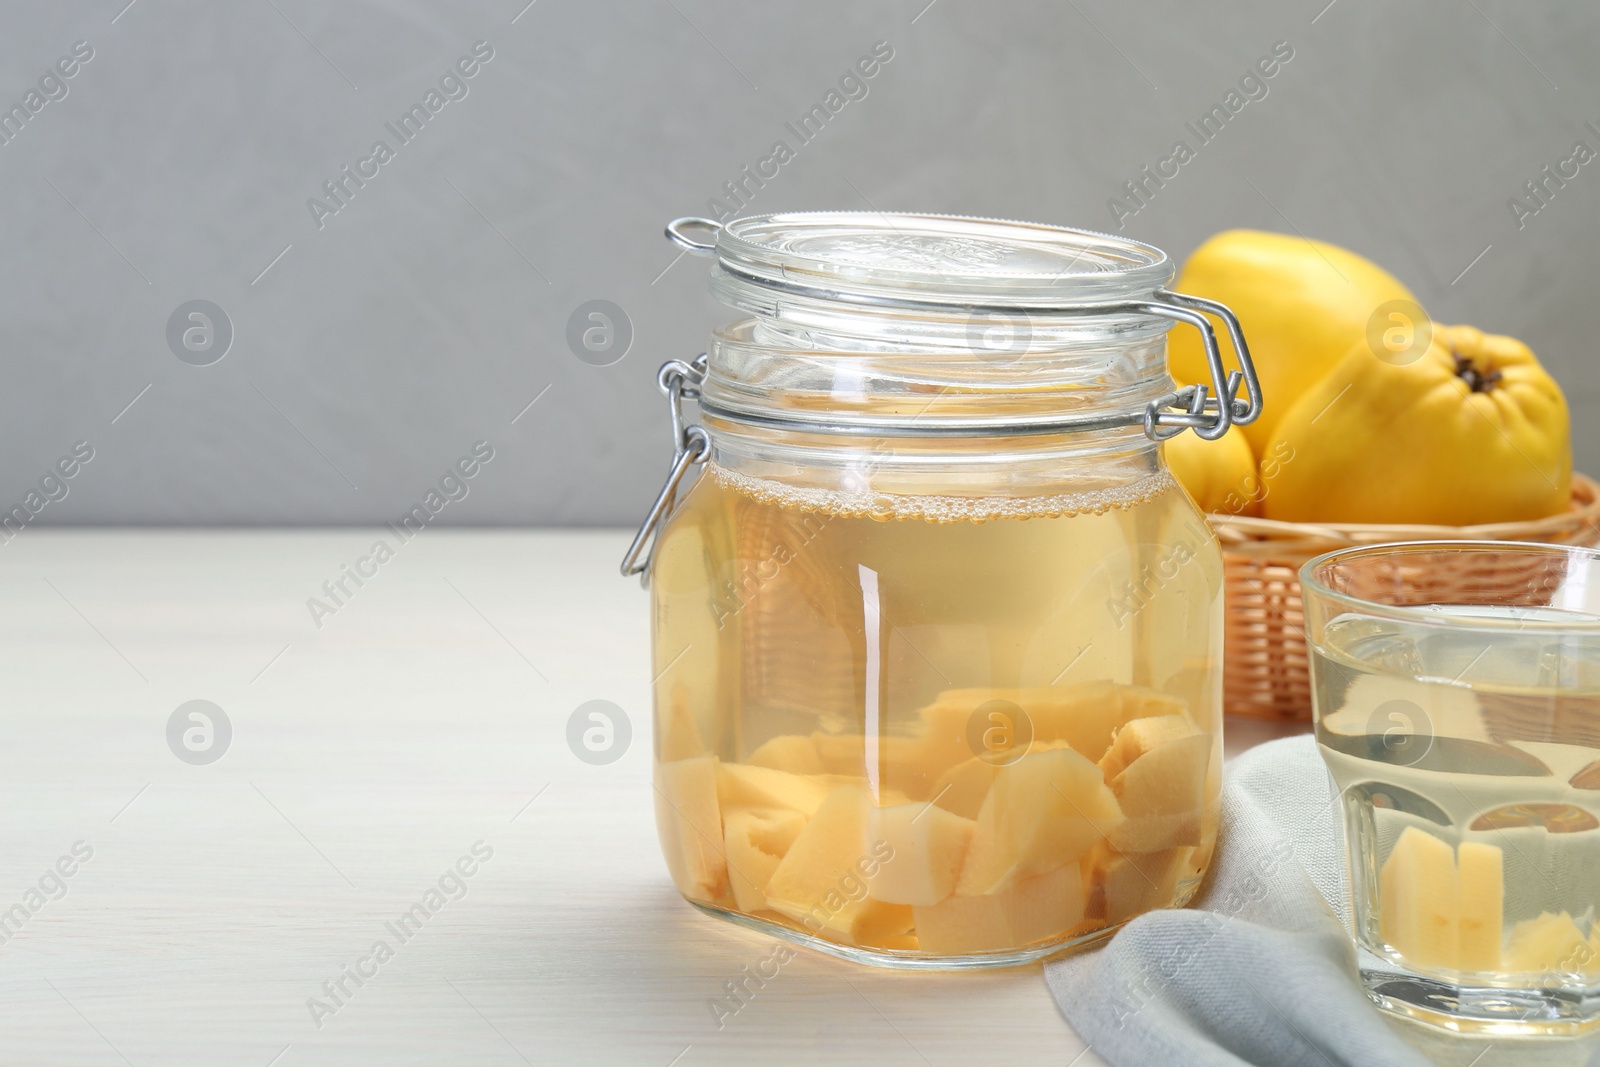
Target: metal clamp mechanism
(690, 444)
(679, 233)
(1162, 423)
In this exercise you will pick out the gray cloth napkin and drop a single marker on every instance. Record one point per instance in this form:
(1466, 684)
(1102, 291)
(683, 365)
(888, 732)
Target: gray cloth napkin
(1259, 969)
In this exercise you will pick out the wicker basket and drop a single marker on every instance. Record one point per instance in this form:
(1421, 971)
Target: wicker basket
(1266, 672)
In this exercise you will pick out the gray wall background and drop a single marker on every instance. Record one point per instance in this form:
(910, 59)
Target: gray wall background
(432, 309)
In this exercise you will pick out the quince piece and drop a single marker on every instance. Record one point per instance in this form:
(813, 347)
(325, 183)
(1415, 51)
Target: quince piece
(929, 846)
(943, 735)
(1480, 868)
(1084, 715)
(1140, 736)
(884, 797)
(1043, 811)
(841, 753)
(821, 882)
(1122, 885)
(794, 753)
(1097, 709)
(881, 925)
(1419, 896)
(1548, 943)
(1163, 795)
(906, 942)
(906, 765)
(690, 821)
(1034, 909)
(680, 734)
(899, 762)
(755, 841)
(740, 785)
(961, 789)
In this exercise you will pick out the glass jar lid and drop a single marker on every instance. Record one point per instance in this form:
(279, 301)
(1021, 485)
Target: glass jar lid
(907, 260)
(818, 268)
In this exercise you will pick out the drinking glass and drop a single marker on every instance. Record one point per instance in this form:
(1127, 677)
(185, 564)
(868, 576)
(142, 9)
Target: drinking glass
(1457, 696)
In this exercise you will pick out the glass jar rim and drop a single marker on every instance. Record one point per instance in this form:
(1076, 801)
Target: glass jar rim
(1586, 622)
(1041, 398)
(912, 259)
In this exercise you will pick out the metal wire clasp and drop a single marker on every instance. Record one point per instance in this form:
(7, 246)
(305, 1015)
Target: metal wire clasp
(679, 381)
(681, 233)
(1208, 410)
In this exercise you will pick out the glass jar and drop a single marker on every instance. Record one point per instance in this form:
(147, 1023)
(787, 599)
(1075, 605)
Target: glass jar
(937, 636)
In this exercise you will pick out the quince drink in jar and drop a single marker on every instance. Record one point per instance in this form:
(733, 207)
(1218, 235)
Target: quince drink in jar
(936, 635)
(1457, 694)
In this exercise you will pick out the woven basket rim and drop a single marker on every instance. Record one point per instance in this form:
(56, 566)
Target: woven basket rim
(1583, 512)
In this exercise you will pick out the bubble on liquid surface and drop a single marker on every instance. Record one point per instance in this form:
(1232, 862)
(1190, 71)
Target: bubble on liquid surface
(885, 507)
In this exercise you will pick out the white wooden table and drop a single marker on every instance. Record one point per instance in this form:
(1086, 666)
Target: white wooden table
(367, 757)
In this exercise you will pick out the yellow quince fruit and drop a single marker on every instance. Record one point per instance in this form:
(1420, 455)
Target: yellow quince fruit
(1301, 303)
(1220, 474)
(1471, 430)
